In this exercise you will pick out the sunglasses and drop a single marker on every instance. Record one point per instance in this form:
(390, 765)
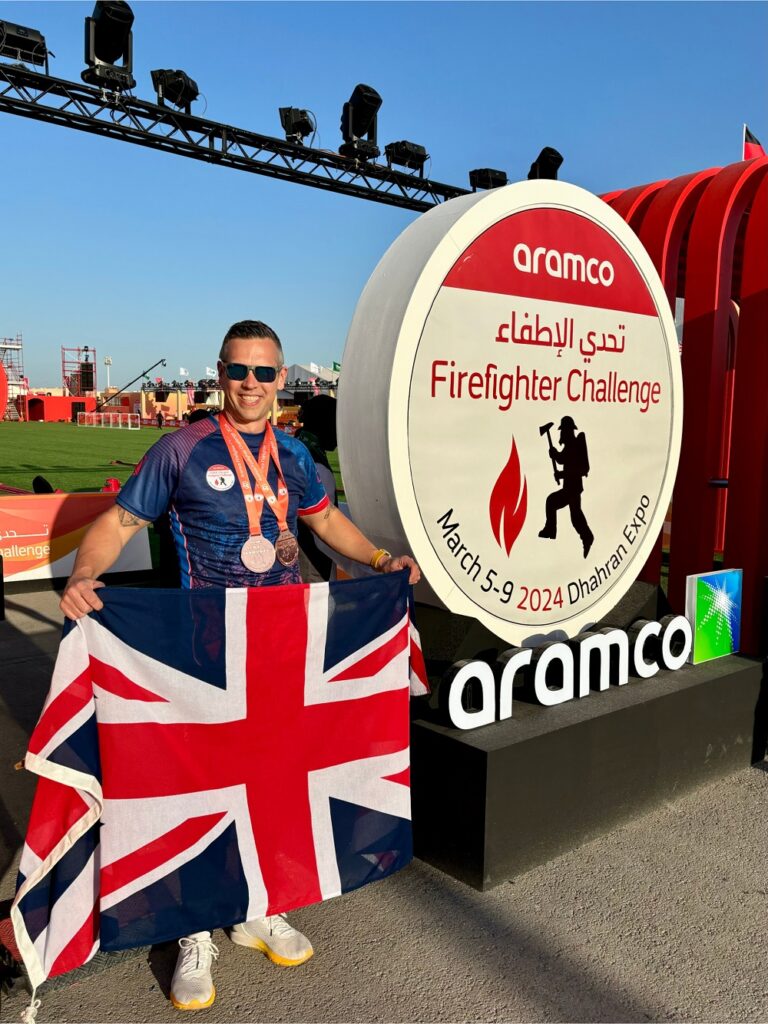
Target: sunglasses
(239, 371)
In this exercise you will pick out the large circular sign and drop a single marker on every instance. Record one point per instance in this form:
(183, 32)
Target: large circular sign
(530, 415)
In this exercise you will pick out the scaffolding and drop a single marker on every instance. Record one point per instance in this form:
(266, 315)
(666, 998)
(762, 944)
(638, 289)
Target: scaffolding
(12, 358)
(78, 371)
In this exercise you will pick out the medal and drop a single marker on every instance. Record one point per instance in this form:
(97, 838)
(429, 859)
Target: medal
(257, 554)
(287, 547)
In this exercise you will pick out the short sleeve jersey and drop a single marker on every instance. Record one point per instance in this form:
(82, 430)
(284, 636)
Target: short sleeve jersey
(190, 475)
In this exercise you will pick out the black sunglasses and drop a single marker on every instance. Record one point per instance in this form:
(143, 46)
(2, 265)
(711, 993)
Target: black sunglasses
(239, 371)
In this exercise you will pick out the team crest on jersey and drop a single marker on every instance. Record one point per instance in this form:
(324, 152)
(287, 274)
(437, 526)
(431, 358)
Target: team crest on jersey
(220, 478)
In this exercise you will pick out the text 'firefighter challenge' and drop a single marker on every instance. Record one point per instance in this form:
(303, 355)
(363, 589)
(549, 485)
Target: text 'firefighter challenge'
(507, 386)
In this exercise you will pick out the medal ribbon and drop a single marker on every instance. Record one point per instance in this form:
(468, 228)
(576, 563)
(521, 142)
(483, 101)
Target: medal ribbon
(241, 457)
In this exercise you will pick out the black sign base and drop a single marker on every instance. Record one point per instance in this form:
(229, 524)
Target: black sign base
(491, 803)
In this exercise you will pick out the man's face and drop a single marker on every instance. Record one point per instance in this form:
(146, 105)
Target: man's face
(249, 402)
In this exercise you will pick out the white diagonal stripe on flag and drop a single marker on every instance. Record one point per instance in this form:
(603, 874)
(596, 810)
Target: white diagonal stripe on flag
(69, 914)
(71, 661)
(357, 782)
(68, 729)
(124, 831)
(320, 687)
(200, 701)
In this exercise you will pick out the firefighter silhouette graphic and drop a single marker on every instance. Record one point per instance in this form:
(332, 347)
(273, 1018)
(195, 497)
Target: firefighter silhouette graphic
(574, 460)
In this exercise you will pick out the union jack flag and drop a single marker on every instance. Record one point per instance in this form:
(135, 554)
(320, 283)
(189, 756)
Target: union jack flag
(209, 756)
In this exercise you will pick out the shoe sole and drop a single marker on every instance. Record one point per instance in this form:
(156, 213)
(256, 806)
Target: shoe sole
(195, 1004)
(270, 954)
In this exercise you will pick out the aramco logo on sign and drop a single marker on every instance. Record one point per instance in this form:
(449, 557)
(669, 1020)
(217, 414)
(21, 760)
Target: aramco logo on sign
(511, 407)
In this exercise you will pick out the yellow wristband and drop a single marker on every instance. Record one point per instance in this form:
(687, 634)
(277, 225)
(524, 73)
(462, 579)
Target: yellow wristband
(378, 556)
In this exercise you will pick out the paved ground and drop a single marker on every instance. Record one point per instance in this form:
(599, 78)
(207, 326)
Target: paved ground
(660, 920)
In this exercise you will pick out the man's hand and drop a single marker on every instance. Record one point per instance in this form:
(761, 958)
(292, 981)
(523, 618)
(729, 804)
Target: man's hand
(397, 562)
(105, 538)
(80, 597)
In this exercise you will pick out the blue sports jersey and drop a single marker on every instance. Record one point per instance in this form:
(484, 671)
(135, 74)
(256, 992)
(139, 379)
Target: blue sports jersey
(190, 474)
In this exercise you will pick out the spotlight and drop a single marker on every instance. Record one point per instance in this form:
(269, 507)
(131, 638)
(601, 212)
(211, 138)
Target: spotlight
(358, 119)
(407, 154)
(108, 38)
(486, 177)
(546, 164)
(23, 44)
(176, 87)
(297, 124)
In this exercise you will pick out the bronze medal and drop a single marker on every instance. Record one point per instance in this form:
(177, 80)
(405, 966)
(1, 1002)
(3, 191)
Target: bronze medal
(287, 547)
(257, 554)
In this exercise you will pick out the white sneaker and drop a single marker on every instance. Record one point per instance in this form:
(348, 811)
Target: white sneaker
(275, 938)
(192, 984)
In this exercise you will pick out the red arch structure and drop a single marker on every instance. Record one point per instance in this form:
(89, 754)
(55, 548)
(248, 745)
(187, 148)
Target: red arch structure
(707, 234)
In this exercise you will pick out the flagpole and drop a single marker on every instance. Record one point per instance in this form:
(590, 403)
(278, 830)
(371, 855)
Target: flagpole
(743, 139)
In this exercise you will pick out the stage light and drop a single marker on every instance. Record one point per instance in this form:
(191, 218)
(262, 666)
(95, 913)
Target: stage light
(176, 87)
(297, 124)
(546, 165)
(23, 44)
(358, 124)
(108, 38)
(407, 154)
(486, 177)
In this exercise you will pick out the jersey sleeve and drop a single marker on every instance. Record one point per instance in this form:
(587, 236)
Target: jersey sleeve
(149, 491)
(314, 498)
(328, 480)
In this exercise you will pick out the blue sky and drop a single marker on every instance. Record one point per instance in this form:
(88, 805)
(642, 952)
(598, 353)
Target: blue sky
(142, 254)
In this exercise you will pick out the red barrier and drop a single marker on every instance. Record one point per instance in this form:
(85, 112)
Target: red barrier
(662, 231)
(706, 234)
(632, 203)
(709, 275)
(746, 537)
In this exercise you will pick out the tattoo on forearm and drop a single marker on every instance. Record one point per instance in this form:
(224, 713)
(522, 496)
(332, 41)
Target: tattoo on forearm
(128, 518)
(327, 513)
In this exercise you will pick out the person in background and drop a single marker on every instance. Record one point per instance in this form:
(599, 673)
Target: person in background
(318, 435)
(200, 414)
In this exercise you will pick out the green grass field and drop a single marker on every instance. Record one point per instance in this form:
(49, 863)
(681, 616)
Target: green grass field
(75, 458)
(70, 457)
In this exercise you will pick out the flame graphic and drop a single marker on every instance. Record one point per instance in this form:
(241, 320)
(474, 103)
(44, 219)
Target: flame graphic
(509, 501)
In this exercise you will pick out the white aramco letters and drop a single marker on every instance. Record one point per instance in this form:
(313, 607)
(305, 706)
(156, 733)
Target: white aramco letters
(614, 642)
(570, 266)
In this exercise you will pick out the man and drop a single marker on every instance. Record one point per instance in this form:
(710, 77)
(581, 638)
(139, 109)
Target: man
(574, 459)
(235, 490)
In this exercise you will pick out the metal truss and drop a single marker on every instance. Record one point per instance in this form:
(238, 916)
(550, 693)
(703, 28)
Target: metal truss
(120, 116)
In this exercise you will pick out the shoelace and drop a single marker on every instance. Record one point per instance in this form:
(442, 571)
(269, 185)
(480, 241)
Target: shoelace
(278, 925)
(198, 954)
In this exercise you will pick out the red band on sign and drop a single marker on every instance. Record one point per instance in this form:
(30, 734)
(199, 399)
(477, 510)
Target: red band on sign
(554, 255)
